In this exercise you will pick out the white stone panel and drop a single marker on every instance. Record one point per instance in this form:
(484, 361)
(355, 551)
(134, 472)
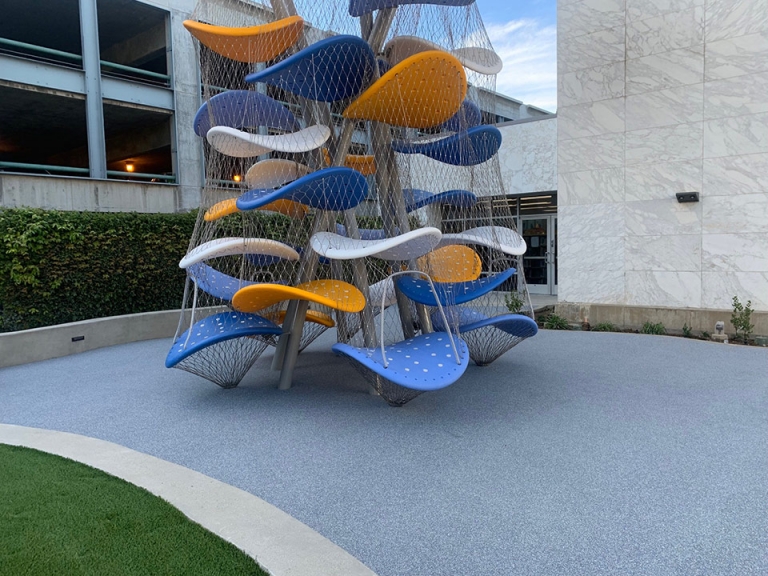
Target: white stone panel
(590, 153)
(661, 288)
(642, 9)
(667, 32)
(730, 175)
(590, 119)
(736, 56)
(663, 218)
(671, 253)
(719, 288)
(731, 18)
(591, 187)
(680, 105)
(662, 180)
(664, 144)
(588, 16)
(665, 70)
(590, 50)
(743, 214)
(591, 85)
(737, 96)
(590, 253)
(735, 252)
(528, 156)
(736, 136)
(590, 220)
(594, 286)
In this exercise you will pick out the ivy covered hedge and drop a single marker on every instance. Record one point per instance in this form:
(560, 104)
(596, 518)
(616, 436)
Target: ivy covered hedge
(60, 267)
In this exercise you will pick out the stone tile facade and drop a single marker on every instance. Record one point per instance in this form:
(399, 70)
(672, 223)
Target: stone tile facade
(658, 97)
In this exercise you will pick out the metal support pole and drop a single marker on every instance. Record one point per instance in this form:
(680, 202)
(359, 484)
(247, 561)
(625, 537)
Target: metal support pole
(94, 107)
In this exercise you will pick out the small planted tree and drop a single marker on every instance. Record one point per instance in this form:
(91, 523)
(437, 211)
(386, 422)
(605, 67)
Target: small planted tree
(741, 319)
(514, 302)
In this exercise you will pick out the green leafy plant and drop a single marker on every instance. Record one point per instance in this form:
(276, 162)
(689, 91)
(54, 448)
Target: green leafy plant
(650, 328)
(686, 330)
(741, 319)
(555, 322)
(705, 335)
(605, 327)
(514, 302)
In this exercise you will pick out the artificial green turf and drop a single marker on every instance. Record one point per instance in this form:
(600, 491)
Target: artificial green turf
(60, 517)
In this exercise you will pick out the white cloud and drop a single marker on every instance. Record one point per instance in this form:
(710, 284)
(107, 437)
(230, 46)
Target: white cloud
(529, 52)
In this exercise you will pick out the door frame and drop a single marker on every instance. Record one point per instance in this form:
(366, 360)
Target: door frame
(550, 257)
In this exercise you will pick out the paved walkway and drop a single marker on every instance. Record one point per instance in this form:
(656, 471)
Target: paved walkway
(576, 453)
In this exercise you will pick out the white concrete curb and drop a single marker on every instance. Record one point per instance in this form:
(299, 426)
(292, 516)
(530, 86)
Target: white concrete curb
(281, 545)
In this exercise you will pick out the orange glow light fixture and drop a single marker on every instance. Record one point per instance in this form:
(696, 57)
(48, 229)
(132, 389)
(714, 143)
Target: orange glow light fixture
(237, 178)
(129, 167)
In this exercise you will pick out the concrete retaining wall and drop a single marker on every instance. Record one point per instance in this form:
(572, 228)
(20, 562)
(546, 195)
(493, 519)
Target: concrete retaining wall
(65, 339)
(673, 319)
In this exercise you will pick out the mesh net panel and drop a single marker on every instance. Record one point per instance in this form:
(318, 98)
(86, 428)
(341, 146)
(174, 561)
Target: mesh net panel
(296, 121)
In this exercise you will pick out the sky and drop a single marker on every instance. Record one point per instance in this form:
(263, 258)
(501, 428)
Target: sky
(523, 33)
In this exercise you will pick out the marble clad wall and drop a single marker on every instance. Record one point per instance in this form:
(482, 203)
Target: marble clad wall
(657, 97)
(528, 156)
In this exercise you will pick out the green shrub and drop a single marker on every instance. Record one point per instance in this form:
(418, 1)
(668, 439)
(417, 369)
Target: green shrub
(649, 328)
(741, 318)
(60, 267)
(514, 302)
(605, 327)
(686, 330)
(555, 322)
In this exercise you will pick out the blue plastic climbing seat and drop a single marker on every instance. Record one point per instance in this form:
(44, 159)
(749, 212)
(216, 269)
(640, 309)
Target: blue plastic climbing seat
(360, 7)
(335, 189)
(243, 109)
(426, 362)
(365, 233)
(487, 338)
(415, 199)
(451, 293)
(332, 69)
(467, 117)
(218, 328)
(469, 148)
(214, 282)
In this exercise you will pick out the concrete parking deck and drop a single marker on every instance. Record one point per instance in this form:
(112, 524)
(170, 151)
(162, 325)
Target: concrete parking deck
(575, 453)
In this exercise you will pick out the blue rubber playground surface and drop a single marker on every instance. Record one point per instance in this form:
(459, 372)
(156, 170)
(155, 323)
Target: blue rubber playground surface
(573, 454)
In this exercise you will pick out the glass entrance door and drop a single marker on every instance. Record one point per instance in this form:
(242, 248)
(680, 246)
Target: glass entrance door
(540, 260)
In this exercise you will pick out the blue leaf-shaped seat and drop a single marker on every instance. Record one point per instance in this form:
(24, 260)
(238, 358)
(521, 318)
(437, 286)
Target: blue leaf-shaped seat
(415, 199)
(332, 69)
(475, 146)
(467, 117)
(243, 109)
(426, 362)
(451, 293)
(216, 283)
(360, 7)
(487, 337)
(335, 189)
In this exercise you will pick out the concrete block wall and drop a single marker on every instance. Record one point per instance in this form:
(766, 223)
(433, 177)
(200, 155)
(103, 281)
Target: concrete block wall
(657, 97)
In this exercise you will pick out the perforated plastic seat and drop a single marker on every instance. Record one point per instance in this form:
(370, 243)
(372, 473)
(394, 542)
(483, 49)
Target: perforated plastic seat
(418, 289)
(238, 144)
(243, 109)
(428, 88)
(214, 282)
(475, 146)
(332, 69)
(230, 246)
(504, 239)
(467, 117)
(426, 362)
(249, 43)
(487, 338)
(402, 247)
(475, 58)
(334, 189)
(360, 7)
(218, 328)
(365, 233)
(415, 199)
